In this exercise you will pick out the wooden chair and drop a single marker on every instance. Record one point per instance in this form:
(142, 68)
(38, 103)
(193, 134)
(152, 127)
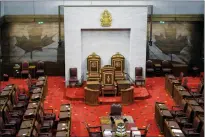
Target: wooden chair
(24, 68)
(108, 83)
(149, 67)
(115, 110)
(73, 77)
(193, 129)
(40, 68)
(138, 76)
(93, 67)
(144, 134)
(166, 67)
(118, 62)
(94, 131)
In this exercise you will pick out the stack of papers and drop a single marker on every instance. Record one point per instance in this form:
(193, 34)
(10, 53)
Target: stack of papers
(107, 133)
(176, 131)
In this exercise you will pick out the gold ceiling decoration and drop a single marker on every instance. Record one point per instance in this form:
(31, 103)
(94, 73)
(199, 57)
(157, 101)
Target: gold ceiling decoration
(106, 19)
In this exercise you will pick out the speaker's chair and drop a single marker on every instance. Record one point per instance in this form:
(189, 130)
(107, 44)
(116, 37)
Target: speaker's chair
(108, 83)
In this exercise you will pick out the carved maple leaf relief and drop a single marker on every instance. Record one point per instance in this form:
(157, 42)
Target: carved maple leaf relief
(34, 42)
(171, 42)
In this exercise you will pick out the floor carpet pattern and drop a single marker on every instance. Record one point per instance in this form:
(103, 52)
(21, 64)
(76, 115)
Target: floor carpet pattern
(142, 111)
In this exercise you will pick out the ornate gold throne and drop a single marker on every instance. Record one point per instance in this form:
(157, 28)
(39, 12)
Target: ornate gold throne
(118, 61)
(108, 83)
(93, 67)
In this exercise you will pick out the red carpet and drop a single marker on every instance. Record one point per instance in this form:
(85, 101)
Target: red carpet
(142, 111)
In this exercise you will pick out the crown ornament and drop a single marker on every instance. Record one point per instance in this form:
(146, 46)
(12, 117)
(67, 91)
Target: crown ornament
(106, 19)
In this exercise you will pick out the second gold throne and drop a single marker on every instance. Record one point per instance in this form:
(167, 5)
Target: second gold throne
(118, 61)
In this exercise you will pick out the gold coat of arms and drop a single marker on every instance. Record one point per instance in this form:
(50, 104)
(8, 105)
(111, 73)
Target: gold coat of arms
(106, 19)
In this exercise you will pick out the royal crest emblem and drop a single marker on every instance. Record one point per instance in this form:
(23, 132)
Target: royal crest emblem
(106, 19)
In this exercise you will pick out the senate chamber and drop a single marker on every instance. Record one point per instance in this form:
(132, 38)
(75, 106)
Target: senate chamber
(100, 68)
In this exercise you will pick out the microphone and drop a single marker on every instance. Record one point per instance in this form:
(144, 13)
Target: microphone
(112, 120)
(125, 120)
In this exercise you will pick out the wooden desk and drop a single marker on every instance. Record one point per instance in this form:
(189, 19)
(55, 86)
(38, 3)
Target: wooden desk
(62, 134)
(36, 90)
(170, 128)
(63, 126)
(167, 77)
(34, 105)
(65, 108)
(30, 114)
(36, 97)
(64, 116)
(43, 82)
(93, 85)
(106, 124)
(191, 101)
(25, 132)
(171, 84)
(164, 114)
(176, 89)
(9, 87)
(91, 96)
(158, 107)
(197, 110)
(178, 68)
(7, 94)
(123, 84)
(127, 96)
(27, 124)
(3, 101)
(181, 94)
